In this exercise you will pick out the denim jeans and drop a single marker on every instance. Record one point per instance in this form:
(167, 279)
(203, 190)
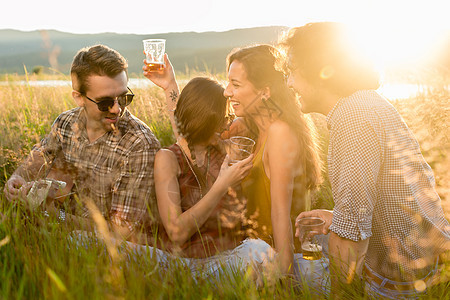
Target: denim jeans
(251, 252)
(314, 274)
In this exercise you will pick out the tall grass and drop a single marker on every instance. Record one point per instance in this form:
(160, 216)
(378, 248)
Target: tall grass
(428, 116)
(39, 259)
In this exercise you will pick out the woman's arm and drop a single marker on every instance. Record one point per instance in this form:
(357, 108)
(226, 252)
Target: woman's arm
(281, 155)
(179, 225)
(166, 80)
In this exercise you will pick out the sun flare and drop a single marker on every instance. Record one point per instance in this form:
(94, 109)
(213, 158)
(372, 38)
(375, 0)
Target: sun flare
(400, 41)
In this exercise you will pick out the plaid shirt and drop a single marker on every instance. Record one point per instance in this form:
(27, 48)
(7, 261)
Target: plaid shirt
(383, 189)
(115, 171)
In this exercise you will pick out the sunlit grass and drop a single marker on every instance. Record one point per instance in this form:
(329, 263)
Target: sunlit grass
(39, 260)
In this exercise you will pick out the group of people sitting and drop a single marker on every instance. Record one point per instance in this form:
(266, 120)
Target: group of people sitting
(189, 201)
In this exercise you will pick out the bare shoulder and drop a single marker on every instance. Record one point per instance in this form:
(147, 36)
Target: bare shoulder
(280, 130)
(281, 140)
(282, 150)
(165, 160)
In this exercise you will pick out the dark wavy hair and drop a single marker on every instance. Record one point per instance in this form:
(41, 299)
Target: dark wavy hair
(326, 53)
(96, 60)
(260, 63)
(201, 110)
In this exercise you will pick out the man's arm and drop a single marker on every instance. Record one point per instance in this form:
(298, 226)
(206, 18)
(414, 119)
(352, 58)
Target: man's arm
(346, 256)
(346, 259)
(133, 192)
(34, 167)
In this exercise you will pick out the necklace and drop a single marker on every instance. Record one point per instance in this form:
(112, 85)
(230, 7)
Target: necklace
(191, 167)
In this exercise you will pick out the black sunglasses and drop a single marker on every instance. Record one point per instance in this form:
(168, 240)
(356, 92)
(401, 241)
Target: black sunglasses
(108, 103)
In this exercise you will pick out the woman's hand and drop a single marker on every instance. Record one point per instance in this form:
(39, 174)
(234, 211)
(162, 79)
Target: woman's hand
(232, 175)
(164, 78)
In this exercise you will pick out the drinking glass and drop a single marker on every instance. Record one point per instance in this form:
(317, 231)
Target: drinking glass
(310, 233)
(154, 50)
(239, 148)
(40, 190)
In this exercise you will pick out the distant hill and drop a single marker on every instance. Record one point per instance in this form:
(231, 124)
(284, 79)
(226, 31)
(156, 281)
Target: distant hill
(187, 50)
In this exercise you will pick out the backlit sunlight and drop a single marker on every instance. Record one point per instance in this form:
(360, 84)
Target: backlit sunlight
(391, 44)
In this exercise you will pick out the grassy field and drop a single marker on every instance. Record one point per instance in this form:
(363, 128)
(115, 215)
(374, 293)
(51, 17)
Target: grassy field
(38, 259)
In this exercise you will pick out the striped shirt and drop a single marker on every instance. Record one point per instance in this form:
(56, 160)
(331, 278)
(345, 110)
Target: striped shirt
(115, 171)
(383, 189)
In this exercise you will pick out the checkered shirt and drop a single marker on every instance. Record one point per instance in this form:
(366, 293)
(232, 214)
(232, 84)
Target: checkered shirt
(383, 189)
(115, 171)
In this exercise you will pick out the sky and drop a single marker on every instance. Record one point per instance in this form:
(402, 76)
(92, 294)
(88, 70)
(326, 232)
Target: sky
(406, 26)
(133, 16)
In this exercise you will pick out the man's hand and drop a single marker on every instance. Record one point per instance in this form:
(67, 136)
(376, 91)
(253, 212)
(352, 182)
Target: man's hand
(16, 187)
(326, 215)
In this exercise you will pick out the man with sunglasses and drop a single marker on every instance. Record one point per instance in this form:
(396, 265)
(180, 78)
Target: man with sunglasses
(103, 152)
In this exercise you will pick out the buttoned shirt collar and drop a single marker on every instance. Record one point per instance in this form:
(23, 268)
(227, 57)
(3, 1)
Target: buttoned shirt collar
(112, 137)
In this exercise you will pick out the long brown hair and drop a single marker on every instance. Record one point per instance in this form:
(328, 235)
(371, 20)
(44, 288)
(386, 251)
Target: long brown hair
(260, 63)
(201, 110)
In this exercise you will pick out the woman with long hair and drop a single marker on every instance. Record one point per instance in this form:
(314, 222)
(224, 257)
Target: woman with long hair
(200, 211)
(285, 164)
(192, 178)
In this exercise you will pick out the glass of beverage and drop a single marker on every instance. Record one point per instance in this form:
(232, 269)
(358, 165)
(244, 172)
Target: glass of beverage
(40, 190)
(310, 231)
(154, 50)
(239, 148)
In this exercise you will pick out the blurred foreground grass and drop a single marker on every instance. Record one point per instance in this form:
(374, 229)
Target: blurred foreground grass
(39, 260)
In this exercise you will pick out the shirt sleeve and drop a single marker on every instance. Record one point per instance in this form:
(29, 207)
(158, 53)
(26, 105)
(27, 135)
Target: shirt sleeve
(355, 161)
(133, 191)
(50, 145)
